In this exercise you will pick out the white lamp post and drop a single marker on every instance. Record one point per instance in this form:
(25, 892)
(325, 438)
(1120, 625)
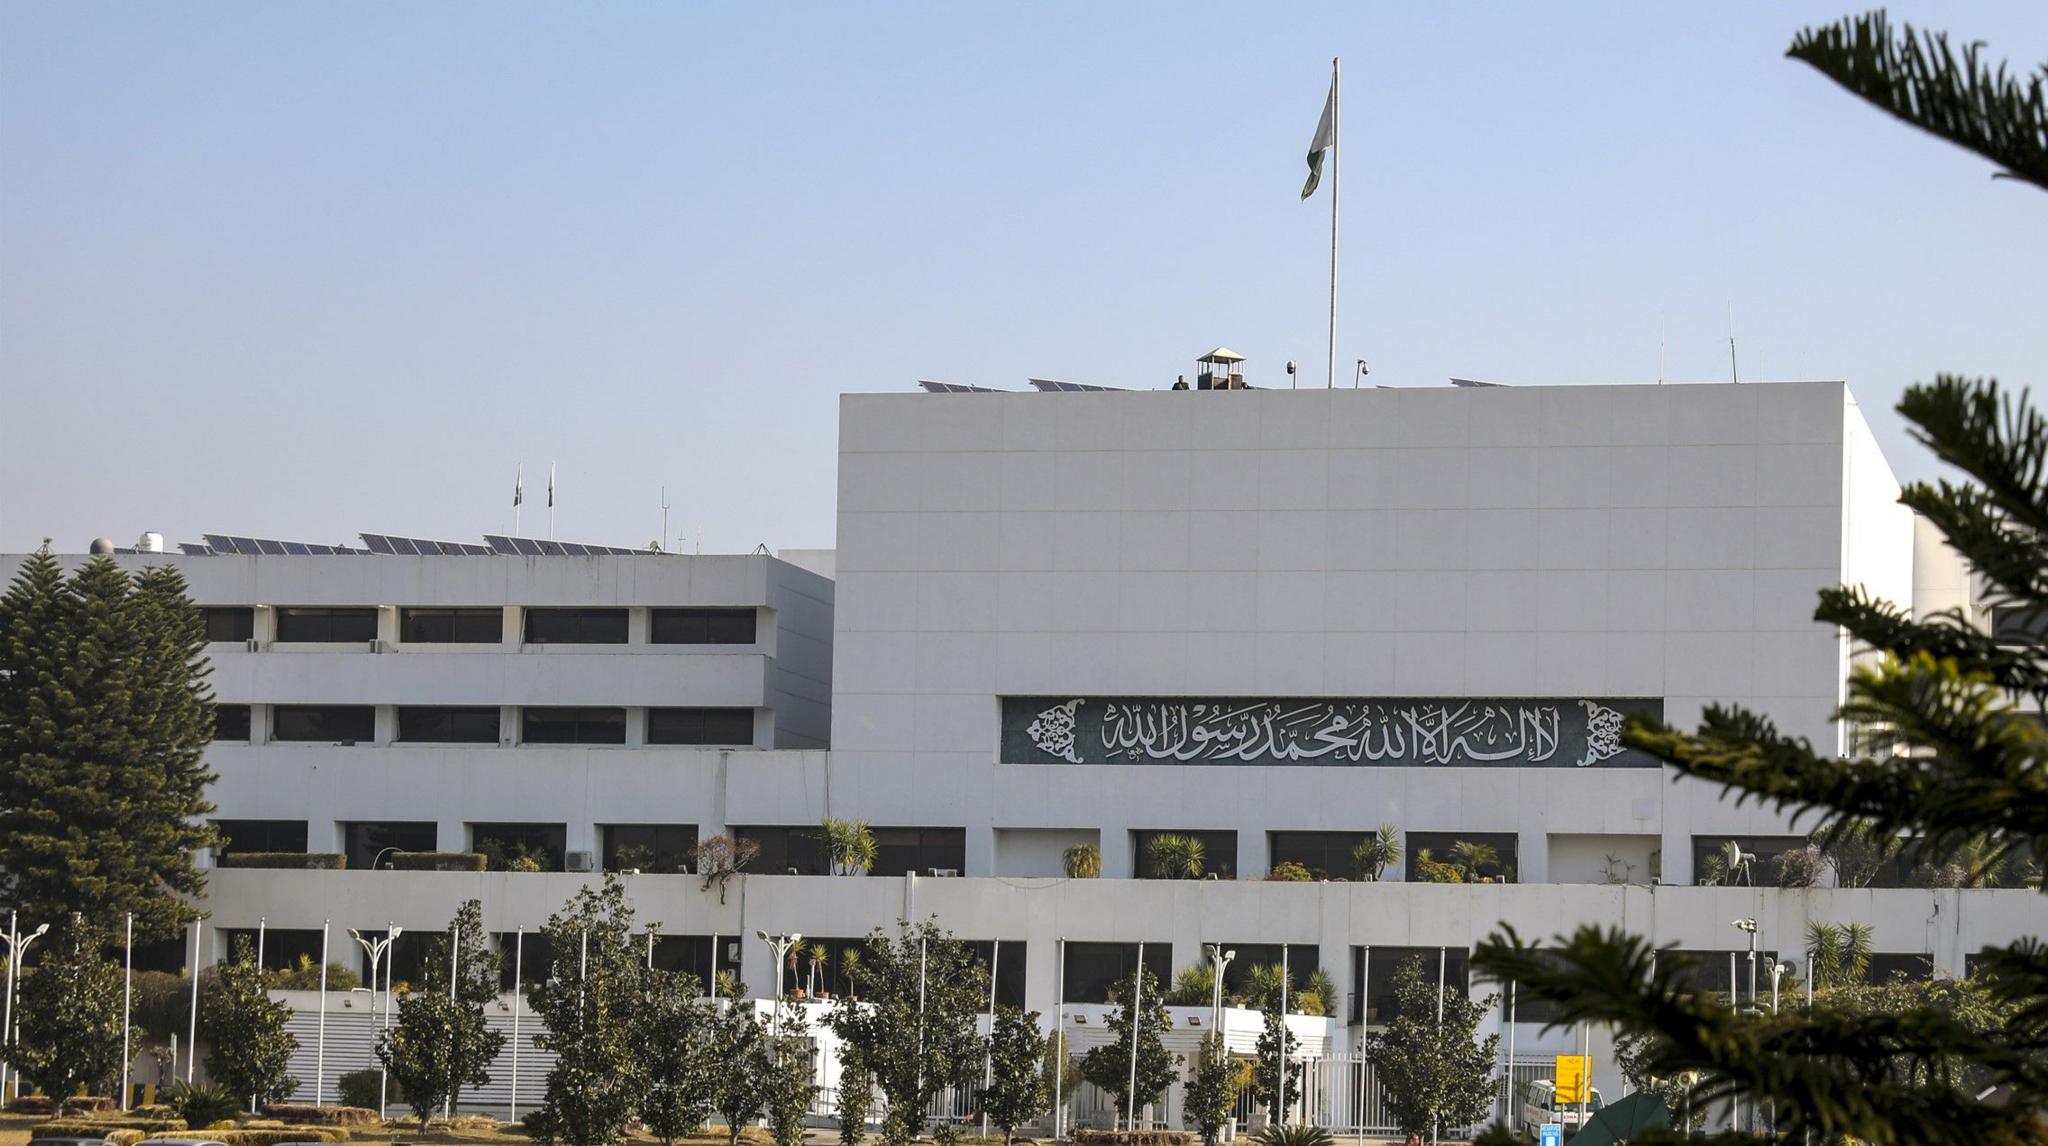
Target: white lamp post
(1219, 960)
(780, 944)
(17, 947)
(1748, 927)
(376, 949)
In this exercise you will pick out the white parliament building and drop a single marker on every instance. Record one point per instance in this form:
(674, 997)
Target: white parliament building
(1270, 619)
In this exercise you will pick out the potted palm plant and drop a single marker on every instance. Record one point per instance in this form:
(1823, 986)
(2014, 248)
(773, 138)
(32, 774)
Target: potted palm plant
(1172, 855)
(849, 845)
(1375, 854)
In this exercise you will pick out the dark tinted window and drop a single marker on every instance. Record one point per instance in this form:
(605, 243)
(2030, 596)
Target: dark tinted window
(229, 622)
(364, 841)
(1887, 966)
(504, 844)
(575, 626)
(261, 835)
(921, 850)
(407, 958)
(332, 626)
(1009, 969)
(281, 948)
(1302, 961)
(1219, 851)
(530, 955)
(785, 850)
(703, 627)
(452, 626)
(1374, 969)
(1710, 864)
(573, 726)
(444, 725)
(700, 726)
(231, 722)
(2019, 625)
(1498, 867)
(332, 723)
(661, 848)
(1327, 855)
(1094, 969)
(692, 954)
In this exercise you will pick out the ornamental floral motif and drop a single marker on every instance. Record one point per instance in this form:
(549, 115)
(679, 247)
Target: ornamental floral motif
(1053, 731)
(1603, 732)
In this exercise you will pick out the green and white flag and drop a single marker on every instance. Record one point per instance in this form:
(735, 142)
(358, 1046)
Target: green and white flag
(1326, 138)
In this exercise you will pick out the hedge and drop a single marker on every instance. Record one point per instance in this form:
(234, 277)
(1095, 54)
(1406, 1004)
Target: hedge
(119, 1136)
(310, 861)
(271, 1137)
(437, 861)
(32, 1104)
(302, 1114)
(1088, 1137)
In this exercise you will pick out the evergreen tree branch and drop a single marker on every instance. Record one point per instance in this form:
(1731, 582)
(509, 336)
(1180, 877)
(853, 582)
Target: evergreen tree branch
(1918, 78)
(1946, 636)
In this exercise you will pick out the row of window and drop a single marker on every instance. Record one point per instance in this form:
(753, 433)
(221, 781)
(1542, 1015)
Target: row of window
(479, 724)
(485, 625)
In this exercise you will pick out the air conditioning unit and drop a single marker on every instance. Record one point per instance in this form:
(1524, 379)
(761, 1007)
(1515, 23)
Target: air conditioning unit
(376, 645)
(581, 861)
(946, 871)
(254, 645)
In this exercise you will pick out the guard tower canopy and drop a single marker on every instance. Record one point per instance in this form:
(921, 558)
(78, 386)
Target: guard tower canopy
(1220, 369)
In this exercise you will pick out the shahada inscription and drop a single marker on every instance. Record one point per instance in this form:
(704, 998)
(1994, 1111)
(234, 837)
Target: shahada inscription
(1530, 732)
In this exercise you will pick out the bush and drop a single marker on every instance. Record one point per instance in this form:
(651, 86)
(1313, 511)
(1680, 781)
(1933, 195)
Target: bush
(274, 1137)
(1083, 861)
(438, 861)
(1290, 872)
(1801, 867)
(1285, 1135)
(201, 1105)
(1086, 1137)
(308, 861)
(33, 1104)
(301, 1114)
(358, 1088)
(305, 976)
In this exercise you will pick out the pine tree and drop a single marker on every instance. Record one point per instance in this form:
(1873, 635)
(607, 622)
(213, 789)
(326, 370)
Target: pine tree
(104, 718)
(69, 1015)
(1948, 758)
(915, 1052)
(1266, 1070)
(672, 1040)
(441, 1042)
(588, 1005)
(248, 1048)
(1109, 1065)
(1212, 1090)
(1438, 1073)
(1019, 1090)
(739, 1047)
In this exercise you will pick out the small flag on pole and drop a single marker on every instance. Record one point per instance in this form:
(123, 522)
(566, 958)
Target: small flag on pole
(1326, 138)
(551, 485)
(519, 487)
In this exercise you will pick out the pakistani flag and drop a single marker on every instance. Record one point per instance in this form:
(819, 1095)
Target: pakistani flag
(1326, 138)
(519, 487)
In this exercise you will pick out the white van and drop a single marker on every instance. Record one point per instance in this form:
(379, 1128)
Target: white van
(1540, 1105)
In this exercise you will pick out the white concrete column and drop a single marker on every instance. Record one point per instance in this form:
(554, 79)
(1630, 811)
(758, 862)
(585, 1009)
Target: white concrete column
(1677, 859)
(515, 624)
(385, 731)
(636, 727)
(1254, 853)
(1532, 861)
(1117, 852)
(980, 856)
(387, 625)
(639, 624)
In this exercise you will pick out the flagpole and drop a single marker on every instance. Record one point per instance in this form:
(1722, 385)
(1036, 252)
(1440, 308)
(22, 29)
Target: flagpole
(518, 497)
(1336, 159)
(551, 501)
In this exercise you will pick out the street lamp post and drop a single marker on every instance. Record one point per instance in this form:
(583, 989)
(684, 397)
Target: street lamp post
(1219, 961)
(1748, 927)
(17, 947)
(780, 944)
(376, 949)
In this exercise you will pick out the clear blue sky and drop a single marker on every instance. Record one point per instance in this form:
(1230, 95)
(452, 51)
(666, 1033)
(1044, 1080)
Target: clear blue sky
(300, 270)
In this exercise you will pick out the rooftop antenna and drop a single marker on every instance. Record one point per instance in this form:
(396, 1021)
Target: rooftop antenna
(1732, 375)
(664, 514)
(1661, 339)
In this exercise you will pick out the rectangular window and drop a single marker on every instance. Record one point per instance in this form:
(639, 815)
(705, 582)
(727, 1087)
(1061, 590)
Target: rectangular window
(703, 627)
(324, 723)
(283, 947)
(231, 723)
(261, 836)
(899, 851)
(451, 626)
(447, 725)
(1009, 969)
(663, 848)
(1093, 970)
(520, 847)
(229, 622)
(572, 726)
(1258, 959)
(1157, 861)
(576, 626)
(367, 843)
(785, 850)
(1373, 971)
(692, 955)
(1715, 972)
(312, 625)
(530, 955)
(2019, 625)
(1753, 863)
(408, 957)
(1326, 855)
(1885, 967)
(1472, 857)
(724, 726)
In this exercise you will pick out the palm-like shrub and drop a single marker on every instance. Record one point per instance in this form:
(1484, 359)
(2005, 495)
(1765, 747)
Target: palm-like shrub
(1083, 861)
(1468, 857)
(1373, 856)
(1839, 953)
(1428, 869)
(849, 845)
(1171, 855)
(1292, 1135)
(1193, 986)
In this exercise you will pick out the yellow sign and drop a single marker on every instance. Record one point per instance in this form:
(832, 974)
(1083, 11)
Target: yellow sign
(1572, 1072)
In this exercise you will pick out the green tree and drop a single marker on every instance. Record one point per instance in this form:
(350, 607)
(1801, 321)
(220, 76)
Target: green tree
(68, 1015)
(739, 1047)
(849, 845)
(1211, 1096)
(672, 1041)
(916, 1044)
(588, 1005)
(1375, 854)
(441, 1042)
(789, 1082)
(1951, 760)
(1171, 855)
(104, 717)
(1274, 1040)
(1019, 1089)
(248, 1048)
(856, 1096)
(1109, 1066)
(1193, 986)
(1437, 1072)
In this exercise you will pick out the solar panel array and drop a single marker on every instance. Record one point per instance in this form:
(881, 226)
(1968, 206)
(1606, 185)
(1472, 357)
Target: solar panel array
(221, 544)
(1051, 386)
(495, 545)
(958, 388)
(422, 547)
(540, 547)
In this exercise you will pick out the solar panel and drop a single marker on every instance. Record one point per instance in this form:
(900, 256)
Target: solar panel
(191, 550)
(297, 548)
(377, 542)
(219, 543)
(957, 388)
(525, 547)
(1052, 386)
